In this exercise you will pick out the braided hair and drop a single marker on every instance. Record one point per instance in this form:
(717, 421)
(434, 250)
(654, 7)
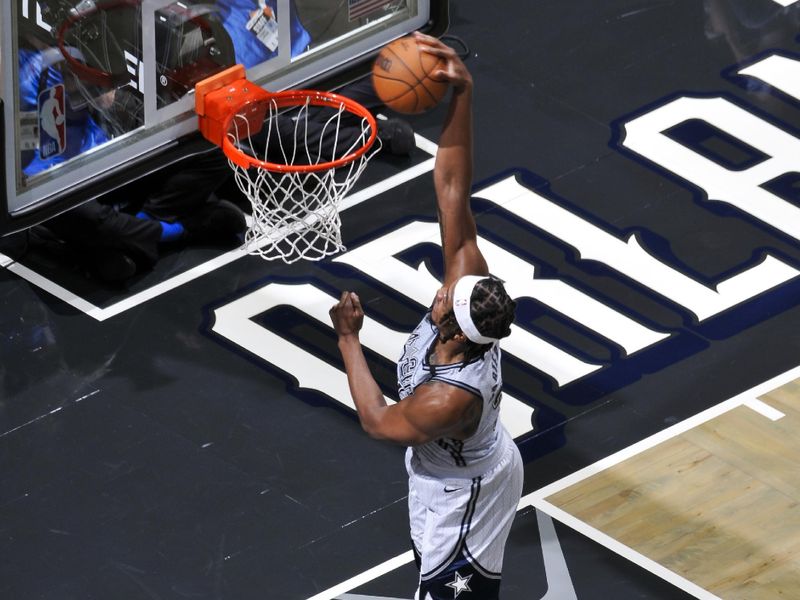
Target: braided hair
(492, 311)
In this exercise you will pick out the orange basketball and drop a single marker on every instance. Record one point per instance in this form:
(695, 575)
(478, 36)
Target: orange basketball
(401, 75)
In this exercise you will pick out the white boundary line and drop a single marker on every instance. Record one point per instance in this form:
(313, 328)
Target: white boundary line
(624, 551)
(101, 314)
(773, 414)
(739, 400)
(365, 577)
(537, 499)
(56, 290)
(361, 597)
(387, 184)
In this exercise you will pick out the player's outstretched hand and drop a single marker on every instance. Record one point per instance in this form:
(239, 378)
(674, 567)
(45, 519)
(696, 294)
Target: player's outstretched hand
(347, 315)
(454, 69)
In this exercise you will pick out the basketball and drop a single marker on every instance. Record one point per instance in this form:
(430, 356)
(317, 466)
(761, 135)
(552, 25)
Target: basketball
(402, 78)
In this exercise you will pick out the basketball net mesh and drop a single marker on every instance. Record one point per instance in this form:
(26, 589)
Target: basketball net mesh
(295, 214)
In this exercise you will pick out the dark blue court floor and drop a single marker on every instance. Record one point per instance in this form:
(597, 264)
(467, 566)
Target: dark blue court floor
(148, 456)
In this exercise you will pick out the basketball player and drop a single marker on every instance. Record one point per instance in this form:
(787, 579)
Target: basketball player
(465, 472)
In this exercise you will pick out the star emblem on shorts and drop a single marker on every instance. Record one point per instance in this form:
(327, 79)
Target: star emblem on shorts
(460, 584)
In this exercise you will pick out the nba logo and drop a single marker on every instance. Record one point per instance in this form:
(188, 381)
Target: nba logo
(52, 122)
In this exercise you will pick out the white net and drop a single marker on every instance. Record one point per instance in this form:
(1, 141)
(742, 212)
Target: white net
(296, 213)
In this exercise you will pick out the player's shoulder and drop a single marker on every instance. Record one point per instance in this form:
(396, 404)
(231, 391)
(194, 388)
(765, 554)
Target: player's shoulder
(441, 401)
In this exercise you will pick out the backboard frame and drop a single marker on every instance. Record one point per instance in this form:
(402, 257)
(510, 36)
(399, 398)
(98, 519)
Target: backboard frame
(99, 177)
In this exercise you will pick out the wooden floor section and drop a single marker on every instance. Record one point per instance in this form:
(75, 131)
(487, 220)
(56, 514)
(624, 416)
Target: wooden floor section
(718, 505)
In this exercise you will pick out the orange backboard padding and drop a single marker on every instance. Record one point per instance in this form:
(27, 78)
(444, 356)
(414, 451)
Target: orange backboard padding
(228, 93)
(222, 95)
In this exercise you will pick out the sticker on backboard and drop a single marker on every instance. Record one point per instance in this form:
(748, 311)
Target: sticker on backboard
(52, 122)
(263, 25)
(361, 8)
(28, 130)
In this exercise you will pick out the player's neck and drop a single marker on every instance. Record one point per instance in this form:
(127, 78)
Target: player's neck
(446, 353)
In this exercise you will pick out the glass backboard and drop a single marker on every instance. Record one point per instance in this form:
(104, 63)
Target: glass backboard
(95, 92)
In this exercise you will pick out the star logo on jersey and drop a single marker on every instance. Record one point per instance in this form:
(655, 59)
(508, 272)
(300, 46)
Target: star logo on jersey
(460, 584)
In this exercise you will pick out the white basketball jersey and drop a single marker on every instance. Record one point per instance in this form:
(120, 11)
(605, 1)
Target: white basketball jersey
(448, 457)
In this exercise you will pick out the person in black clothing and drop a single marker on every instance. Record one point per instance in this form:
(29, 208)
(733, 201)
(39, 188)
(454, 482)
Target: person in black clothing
(115, 237)
(181, 209)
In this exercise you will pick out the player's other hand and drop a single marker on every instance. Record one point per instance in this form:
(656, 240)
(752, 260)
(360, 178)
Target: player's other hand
(347, 315)
(454, 69)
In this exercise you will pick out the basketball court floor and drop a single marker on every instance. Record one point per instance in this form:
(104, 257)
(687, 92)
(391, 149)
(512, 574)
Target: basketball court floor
(637, 184)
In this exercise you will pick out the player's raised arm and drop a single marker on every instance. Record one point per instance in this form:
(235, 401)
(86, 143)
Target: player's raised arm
(452, 173)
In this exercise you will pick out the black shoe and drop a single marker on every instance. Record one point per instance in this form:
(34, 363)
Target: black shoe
(110, 265)
(215, 222)
(397, 137)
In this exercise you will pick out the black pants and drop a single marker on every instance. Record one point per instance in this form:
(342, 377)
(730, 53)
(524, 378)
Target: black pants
(169, 196)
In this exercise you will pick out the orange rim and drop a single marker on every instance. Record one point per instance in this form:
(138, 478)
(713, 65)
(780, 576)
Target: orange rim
(298, 98)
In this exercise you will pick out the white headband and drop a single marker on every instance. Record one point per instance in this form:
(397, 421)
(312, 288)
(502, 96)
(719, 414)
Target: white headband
(461, 307)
